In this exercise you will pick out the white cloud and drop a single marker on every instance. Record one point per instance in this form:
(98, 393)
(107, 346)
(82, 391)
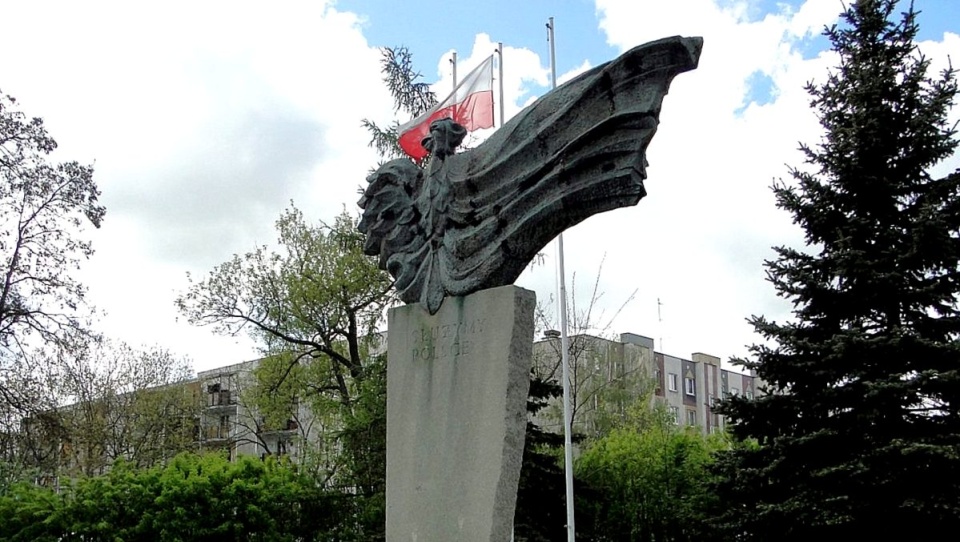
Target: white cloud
(940, 54)
(204, 121)
(564, 77)
(813, 16)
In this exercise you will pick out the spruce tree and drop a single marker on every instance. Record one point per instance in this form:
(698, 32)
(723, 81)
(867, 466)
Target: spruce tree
(859, 432)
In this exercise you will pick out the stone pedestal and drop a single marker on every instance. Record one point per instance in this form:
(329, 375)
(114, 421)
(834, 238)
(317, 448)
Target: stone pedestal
(457, 385)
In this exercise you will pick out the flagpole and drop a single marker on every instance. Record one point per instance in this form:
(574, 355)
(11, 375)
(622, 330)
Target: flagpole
(564, 340)
(454, 62)
(513, 528)
(500, 64)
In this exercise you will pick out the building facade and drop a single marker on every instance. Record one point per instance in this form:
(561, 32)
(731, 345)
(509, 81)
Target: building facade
(608, 376)
(228, 421)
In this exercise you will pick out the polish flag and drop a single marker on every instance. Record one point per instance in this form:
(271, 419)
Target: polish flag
(470, 105)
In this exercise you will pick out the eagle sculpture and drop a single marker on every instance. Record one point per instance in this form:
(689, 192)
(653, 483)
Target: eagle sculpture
(475, 219)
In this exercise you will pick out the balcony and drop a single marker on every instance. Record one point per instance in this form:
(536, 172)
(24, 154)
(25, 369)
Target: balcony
(216, 433)
(221, 399)
(289, 426)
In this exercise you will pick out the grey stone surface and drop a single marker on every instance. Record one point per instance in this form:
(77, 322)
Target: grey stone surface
(457, 384)
(474, 220)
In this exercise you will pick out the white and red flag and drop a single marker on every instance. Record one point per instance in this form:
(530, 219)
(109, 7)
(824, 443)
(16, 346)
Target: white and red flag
(470, 105)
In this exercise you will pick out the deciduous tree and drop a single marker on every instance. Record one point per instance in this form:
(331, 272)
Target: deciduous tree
(44, 207)
(648, 480)
(604, 378)
(318, 296)
(91, 403)
(120, 402)
(314, 305)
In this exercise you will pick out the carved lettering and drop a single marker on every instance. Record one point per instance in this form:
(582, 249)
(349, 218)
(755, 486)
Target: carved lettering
(449, 341)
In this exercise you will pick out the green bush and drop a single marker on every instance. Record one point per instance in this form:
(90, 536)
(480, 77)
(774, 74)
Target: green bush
(650, 484)
(192, 498)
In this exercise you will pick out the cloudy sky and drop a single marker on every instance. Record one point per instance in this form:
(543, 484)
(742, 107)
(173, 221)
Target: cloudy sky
(206, 119)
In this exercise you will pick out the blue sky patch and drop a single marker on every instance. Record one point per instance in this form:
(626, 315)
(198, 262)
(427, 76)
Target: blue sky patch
(761, 90)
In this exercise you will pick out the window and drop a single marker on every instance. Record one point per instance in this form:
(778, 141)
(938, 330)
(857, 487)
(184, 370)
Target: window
(717, 425)
(689, 386)
(691, 417)
(672, 381)
(213, 395)
(223, 431)
(749, 394)
(713, 400)
(675, 411)
(734, 391)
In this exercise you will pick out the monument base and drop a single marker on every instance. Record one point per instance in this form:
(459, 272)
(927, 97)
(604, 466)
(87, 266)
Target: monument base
(457, 385)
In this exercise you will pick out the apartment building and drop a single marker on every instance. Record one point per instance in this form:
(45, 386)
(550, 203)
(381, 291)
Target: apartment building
(608, 376)
(207, 413)
(228, 423)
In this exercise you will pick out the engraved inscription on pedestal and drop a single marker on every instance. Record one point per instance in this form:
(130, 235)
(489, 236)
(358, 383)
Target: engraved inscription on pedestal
(445, 341)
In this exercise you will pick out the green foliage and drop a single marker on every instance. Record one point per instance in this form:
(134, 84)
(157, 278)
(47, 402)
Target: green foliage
(648, 481)
(319, 298)
(91, 403)
(193, 498)
(122, 402)
(859, 435)
(29, 513)
(364, 430)
(350, 454)
(541, 509)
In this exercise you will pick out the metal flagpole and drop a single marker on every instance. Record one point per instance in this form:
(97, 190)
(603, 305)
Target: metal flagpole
(454, 62)
(660, 322)
(500, 64)
(564, 340)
